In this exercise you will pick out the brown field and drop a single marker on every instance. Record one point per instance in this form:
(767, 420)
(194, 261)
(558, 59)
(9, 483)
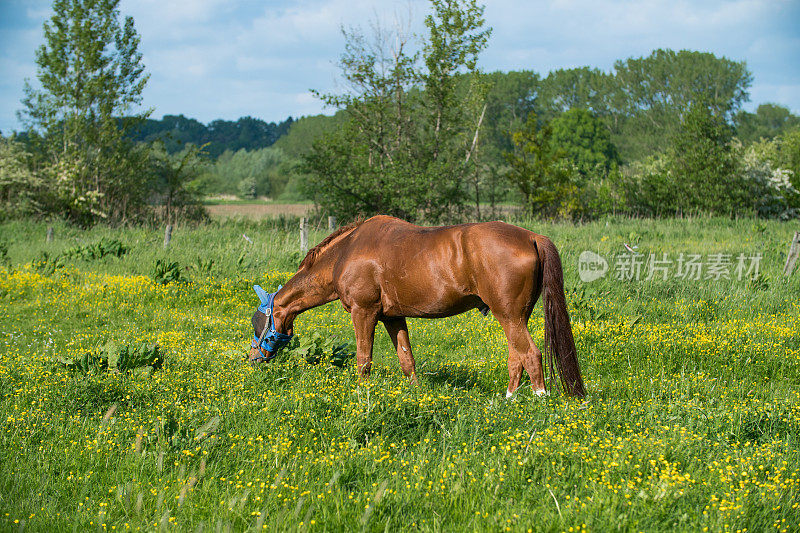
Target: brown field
(265, 210)
(257, 211)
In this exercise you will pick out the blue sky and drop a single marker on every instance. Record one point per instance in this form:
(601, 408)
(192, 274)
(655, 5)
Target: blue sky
(213, 59)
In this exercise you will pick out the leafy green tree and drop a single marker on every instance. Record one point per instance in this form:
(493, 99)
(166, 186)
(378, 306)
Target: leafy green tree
(789, 156)
(305, 131)
(586, 142)
(20, 189)
(247, 188)
(651, 95)
(175, 132)
(249, 174)
(456, 37)
(90, 72)
(177, 182)
(769, 121)
(781, 158)
(538, 171)
(643, 99)
(509, 101)
(566, 89)
(650, 189)
(704, 165)
(409, 145)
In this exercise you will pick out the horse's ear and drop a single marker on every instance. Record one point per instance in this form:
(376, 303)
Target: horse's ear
(262, 294)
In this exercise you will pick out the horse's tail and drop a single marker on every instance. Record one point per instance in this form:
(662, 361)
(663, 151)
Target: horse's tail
(558, 341)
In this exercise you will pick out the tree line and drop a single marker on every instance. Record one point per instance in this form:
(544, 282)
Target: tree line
(419, 132)
(177, 132)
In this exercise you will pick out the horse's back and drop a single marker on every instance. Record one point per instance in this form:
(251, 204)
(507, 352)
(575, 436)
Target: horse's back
(409, 270)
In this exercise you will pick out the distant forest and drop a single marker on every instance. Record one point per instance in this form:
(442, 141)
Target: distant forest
(178, 131)
(637, 109)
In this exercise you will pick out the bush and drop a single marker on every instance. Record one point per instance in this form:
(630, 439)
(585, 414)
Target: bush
(769, 187)
(98, 250)
(165, 272)
(316, 348)
(247, 188)
(20, 189)
(131, 357)
(125, 358)
(47, 264)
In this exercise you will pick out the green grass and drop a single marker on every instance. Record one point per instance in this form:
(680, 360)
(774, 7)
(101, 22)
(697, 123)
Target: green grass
(691, 420)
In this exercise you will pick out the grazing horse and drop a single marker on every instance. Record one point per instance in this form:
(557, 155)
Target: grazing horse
(385, 269)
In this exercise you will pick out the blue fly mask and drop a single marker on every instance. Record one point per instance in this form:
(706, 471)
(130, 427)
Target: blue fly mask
(271, 341)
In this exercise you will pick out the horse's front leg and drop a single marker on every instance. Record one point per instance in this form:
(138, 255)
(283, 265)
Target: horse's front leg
(364, 322)
(398, 332)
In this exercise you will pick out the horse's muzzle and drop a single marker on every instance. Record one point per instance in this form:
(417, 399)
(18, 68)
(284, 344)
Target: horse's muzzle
(258, 355)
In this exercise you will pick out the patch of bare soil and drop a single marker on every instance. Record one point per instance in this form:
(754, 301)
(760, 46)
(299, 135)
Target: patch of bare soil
(257, 211)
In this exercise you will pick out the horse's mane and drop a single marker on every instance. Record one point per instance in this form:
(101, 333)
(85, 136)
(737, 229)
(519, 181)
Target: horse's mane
(312, 254)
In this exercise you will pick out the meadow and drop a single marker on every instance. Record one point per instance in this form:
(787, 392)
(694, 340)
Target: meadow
(692, 421)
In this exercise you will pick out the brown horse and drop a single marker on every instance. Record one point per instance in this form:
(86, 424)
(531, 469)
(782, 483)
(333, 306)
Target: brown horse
(385, 269)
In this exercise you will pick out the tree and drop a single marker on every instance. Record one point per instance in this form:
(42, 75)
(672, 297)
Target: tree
(703, 163)
(305, 131)
(408, 147)
(586, 142)
(537, 170)
(91, 74)
(510, 100)
(249, 174)
(789, 156)
(566, 89)
(176, 181)
(651, 95)
(769, 121)
(20, 188)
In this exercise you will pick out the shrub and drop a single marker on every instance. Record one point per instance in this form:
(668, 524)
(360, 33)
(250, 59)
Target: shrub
(131, 357)
(98, 250)
(165, 272)
(125, 358)
(47, 264)
(316, 348)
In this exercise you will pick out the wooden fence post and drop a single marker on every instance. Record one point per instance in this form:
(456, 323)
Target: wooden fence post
(331, 223)
(303, 235)
(794, 251)
(50, 234)
(167, 236)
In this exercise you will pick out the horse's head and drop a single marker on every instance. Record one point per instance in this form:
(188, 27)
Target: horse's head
(267, 341)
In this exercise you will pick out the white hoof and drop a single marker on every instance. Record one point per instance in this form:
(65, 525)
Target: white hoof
(541, 392)
(509, 394)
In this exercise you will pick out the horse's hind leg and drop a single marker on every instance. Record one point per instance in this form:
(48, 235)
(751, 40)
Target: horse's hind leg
(364, 322)
(398, 332)
(522, 353)
(514, 372)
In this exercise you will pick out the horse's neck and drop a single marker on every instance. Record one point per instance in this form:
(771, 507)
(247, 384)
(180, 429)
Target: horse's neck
(312, 285)
(308, 288)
